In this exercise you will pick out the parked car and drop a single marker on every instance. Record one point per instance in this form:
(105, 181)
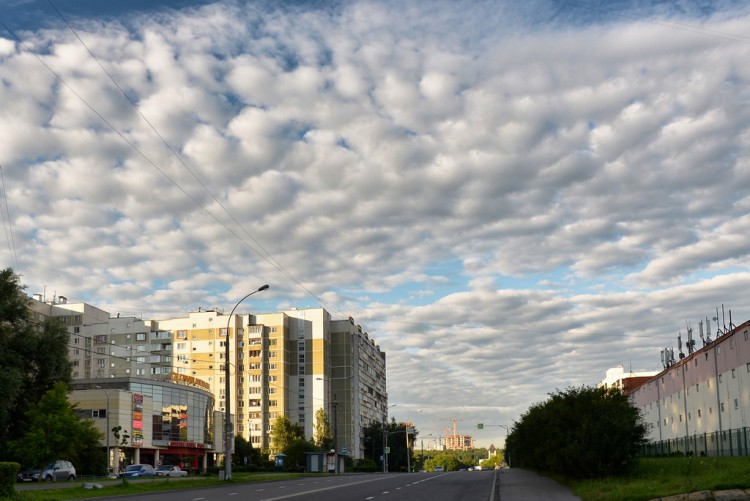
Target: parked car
(30, 475)
(137, 471)
(168, 470)
(59, 470)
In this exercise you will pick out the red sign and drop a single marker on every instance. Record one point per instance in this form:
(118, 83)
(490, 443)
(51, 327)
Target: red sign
(187, 445)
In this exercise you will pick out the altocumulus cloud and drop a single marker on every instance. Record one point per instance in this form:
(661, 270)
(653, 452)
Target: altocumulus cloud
(510, 199)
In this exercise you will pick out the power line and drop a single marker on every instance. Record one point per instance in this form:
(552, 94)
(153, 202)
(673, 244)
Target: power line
(9, 226)
(265, 254)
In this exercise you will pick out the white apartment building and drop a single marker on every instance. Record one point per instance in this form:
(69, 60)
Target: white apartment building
(700, 403)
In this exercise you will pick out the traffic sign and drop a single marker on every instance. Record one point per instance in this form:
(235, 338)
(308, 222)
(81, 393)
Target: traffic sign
(387, 450)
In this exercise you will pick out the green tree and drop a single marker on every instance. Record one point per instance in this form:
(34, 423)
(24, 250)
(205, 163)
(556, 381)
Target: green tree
(33, 357)
(323, 437)
(245, 450)
(56, 431)
(295, 453)
(284, 432)
(580, 432)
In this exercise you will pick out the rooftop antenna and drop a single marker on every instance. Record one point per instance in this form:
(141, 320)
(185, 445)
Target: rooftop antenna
(679, 345)
(723, 318)
(690, 341)
(700, 331)
(708, 330)
(731, 325)
(718, 329)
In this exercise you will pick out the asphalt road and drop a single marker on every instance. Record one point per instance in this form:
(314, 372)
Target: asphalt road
(493, 485)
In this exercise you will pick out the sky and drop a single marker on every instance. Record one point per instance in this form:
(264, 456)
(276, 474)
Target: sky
(509, 197)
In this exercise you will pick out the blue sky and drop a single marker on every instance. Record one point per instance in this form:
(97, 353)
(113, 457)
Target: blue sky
(510, 197)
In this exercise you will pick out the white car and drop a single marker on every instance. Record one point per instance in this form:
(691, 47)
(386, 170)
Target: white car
(168, 470)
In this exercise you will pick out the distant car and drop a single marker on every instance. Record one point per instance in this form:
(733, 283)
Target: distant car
(168, 470)
(138, 471)
(30, 475)
(59, 470)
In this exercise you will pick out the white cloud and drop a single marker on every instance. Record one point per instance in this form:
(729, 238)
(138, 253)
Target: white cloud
(506, 205)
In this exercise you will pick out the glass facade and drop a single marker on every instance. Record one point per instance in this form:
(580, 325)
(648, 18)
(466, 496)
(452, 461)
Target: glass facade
(180, 414)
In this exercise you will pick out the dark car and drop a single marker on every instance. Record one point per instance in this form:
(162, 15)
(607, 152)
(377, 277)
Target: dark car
(30, 475)
(137, 471)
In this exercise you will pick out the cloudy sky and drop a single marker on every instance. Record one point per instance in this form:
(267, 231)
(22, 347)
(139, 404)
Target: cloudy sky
(510, 197)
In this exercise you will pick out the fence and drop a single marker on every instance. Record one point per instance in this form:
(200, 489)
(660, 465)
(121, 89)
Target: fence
(725, 443)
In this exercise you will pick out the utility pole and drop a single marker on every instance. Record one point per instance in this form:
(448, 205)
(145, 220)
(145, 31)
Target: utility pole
(335, 433)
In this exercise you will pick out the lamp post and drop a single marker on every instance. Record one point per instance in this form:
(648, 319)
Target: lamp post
(481, 425)
(227, 389)
(107, 431)
(408, 452)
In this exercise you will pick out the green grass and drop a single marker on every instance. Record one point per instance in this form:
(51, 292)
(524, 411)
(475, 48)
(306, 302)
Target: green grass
(120, 488)
(656, 477)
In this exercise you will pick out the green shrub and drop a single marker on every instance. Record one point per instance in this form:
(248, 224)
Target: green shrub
(8, 475)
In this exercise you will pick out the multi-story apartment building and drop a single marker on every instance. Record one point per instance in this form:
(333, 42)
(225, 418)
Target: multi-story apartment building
(700, 402)
(288, 363)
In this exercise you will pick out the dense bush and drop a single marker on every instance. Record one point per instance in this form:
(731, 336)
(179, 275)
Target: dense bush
(580, 432)
(8, 472)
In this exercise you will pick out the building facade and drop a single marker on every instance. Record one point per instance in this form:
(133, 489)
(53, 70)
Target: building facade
(290, 363)
(700, 403)
(155, 420)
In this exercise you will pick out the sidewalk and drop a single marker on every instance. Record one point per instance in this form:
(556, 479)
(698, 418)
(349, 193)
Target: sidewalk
(522, 485)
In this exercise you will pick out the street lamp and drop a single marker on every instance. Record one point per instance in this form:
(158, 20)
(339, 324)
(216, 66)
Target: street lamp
(408, 454)
(107, 431)
(227, 389)
(481, 425)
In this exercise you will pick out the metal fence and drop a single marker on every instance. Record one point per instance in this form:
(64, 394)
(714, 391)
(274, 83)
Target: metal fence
(725, 443)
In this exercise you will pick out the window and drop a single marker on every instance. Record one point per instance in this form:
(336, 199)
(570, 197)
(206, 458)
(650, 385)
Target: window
(140, 336)
(140, 347)
(101, 339)
(736, 404)
(255, 377)
(272, 403)
(722, 407)
(699, 413)
(142, 360)
(272, 379)
(734, 375)
(271, 367)
(101, 362)
(223, 332)
(181, 334)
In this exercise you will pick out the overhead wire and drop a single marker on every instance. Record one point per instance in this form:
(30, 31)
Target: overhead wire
(265, 254)
(9, 225)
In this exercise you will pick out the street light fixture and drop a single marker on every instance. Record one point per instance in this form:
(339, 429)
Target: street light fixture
(107, 431)
(227, 388)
